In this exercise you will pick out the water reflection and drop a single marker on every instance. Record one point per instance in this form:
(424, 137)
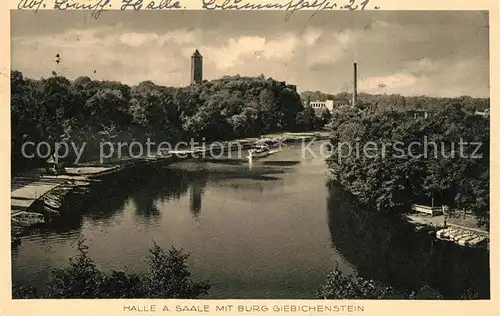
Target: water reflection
(227, 161)
(251, 181)
(169, 183)
(230, 206)
(265, 226)
(195, 195)
(388, 250)
(139, 188)
(281, 163)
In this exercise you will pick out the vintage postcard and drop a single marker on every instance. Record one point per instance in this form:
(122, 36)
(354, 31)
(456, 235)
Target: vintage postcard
(248, 158)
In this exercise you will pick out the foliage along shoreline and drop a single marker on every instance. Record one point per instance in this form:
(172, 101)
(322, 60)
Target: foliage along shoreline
(84, 110)
(397, 102)
(88, 111)
(387, 250)
(168, 276)
(391, 180)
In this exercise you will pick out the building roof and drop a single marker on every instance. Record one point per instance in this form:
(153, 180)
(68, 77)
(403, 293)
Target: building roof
(196, 54)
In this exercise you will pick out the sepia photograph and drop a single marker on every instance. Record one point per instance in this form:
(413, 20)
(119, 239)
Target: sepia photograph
(250, 155)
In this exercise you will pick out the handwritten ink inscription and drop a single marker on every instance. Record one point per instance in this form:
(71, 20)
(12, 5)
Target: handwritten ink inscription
(96, 7)
(30, 5)
(290, 6)
(150, 5)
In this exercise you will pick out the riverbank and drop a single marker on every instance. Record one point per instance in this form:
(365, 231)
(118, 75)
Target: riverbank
(211, 210)
(38, 193)
(462, 230)
(294, 137)
(460, 225)
(215, 210)
(55, 197)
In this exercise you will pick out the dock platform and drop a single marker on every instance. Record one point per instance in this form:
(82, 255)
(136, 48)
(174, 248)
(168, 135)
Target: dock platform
(26, 190)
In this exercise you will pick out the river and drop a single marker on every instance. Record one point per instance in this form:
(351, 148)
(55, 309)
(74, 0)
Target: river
(272, 230)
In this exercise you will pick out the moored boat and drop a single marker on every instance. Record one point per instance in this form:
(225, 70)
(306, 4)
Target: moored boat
(443, 234)
(81, 190)
(462, 237)
(27, 219)
(270, 143)
(50, 212)
(82, 183)
(259, 152)
(52, 203)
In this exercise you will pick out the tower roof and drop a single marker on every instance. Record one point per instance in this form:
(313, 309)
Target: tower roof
(196, 54)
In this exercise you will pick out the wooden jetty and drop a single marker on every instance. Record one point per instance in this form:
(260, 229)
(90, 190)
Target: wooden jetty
(27, 190)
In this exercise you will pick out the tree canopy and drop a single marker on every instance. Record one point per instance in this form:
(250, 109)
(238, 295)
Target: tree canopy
(397, 102)
(413, 160)
(85, 110)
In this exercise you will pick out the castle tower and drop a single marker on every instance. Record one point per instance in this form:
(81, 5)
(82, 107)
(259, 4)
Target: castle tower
(196, 68)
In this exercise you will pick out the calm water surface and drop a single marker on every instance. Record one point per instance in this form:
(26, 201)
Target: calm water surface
(272, 230)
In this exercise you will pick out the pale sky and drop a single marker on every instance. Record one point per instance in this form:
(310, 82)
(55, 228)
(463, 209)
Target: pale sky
(412, 53)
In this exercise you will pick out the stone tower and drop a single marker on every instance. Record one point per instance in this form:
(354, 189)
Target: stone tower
(196, 68)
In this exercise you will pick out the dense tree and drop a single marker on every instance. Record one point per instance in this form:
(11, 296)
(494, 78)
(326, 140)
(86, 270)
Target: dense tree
(396, 102)
(340, 286)
(168, 277)
(307, 119)
(90, 111)
(375, 159)
(325, 117)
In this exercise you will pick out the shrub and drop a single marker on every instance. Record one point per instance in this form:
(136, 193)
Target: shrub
(168, 277)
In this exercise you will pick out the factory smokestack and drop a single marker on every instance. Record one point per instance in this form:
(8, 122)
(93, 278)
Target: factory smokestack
(355, 88)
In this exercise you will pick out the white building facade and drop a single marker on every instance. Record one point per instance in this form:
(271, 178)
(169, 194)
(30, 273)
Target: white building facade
(328, 104)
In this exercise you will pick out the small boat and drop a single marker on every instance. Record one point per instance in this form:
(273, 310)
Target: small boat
(477, 242)
(446, 234)
(79, 183)
(53, 204)
(465, 241)
(259, 152)
(27, 219)
(53, 197)
(269, 143)
(82, 183)
(81, 190)
(64, 187)
(443, 234)
(461, 238)
(59, 195)
(50, 212)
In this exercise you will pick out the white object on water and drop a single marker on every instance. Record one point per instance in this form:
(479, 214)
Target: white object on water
(27, 218)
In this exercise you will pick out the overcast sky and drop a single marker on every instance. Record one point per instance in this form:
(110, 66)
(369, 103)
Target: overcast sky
(412, 53)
